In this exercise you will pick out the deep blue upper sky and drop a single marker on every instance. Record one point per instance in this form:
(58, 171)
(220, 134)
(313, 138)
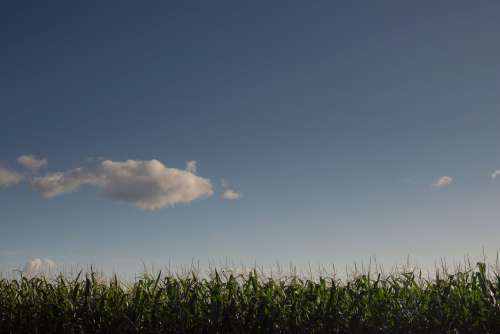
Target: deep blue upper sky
(332, 118)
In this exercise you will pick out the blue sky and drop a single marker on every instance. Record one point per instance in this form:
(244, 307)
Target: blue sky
(332, 119)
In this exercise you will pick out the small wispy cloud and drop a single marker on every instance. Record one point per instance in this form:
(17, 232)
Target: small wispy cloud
(9, 177)
(55, 184)
(443, 181)
(231, 194)
(495, 174)
(31, 162)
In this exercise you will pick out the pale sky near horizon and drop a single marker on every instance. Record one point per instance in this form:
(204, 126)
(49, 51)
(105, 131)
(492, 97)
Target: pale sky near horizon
(248, 132)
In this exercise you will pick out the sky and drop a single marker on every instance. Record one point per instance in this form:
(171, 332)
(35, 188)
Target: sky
(243, 133)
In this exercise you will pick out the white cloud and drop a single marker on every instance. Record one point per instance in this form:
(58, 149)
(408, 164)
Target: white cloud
(144, 184)
(9, 177)
(231, 194)
(39, 266)
(152, 185)
(31, 162)
(443, 181)
(495, 174)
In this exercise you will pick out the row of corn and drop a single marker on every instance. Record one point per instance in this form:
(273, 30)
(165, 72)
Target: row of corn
(463, 302)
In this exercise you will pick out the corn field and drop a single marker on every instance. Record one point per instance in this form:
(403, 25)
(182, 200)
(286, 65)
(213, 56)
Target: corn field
(462, 302)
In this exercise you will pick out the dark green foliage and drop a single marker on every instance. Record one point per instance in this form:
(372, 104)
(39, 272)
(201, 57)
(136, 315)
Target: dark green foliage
(465, 302)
